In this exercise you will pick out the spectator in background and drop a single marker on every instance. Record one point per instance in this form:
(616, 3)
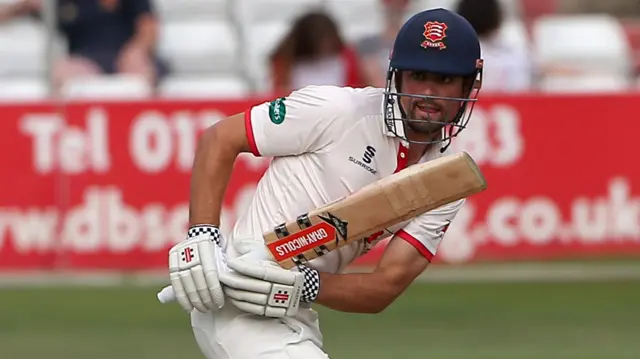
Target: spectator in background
(313, 53)
(506, 68)
(374, 50)
(103, 36)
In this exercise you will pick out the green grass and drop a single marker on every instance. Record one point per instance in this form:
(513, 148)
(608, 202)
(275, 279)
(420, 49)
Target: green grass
(443, 321)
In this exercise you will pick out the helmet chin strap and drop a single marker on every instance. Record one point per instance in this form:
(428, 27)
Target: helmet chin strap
(443, 134)
(398, 125)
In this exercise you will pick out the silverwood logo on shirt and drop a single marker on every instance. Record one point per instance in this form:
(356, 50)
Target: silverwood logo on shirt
(277, 110)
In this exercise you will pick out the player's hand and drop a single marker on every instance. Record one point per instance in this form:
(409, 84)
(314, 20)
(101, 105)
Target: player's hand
(262, 287)
(194, 266)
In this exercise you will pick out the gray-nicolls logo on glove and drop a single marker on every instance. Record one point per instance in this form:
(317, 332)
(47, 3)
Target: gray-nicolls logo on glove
(262, 287)
(194, 267)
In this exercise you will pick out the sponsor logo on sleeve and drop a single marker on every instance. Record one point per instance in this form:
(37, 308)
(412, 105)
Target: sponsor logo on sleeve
(277, 110)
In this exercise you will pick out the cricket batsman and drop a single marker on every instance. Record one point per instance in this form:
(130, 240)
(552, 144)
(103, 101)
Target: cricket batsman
(326, 142)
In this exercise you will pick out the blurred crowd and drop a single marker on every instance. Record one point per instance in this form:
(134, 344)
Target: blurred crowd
(314, 53)
(103, 37)
(121, 37)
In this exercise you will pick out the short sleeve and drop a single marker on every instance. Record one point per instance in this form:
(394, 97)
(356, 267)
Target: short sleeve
(426, 231)
(308, 120)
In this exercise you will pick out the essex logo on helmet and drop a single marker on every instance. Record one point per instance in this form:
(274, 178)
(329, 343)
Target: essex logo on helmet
(434, 33)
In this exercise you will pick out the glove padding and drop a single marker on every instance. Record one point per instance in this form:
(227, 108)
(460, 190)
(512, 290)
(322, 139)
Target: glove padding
(264, 288)
(194, 266)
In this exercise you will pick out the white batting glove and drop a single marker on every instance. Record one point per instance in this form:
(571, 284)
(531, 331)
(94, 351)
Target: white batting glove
(264, 288)
(194, 266)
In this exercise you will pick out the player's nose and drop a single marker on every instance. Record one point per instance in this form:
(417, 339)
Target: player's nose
(428, 89)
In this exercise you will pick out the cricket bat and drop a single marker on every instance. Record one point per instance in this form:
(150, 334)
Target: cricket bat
(387, 202)
(406, 194)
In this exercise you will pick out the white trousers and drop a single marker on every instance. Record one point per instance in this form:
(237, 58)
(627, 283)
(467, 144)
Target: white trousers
(233, 334)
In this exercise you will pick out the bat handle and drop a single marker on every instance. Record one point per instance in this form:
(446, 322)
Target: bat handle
(166, 295)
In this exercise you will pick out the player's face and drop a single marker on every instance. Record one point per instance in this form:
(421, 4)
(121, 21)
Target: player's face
(431, 114)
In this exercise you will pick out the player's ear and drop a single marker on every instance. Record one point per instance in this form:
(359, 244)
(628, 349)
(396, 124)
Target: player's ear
(467, 86)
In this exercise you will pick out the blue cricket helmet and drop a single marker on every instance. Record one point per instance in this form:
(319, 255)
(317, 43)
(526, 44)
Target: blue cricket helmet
(436, 41)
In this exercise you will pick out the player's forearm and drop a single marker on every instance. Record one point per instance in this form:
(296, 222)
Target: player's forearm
(357, 292)
(212, 168)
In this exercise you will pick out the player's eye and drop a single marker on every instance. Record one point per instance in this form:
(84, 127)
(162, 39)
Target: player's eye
(444, 79)
(419, 75)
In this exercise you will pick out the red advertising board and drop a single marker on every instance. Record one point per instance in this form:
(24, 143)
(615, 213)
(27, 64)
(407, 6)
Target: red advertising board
(105, 185)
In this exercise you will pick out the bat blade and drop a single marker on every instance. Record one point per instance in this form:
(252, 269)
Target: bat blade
(384, 203)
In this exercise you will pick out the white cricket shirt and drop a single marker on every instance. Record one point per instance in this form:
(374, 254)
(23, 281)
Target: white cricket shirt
(327, 142)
